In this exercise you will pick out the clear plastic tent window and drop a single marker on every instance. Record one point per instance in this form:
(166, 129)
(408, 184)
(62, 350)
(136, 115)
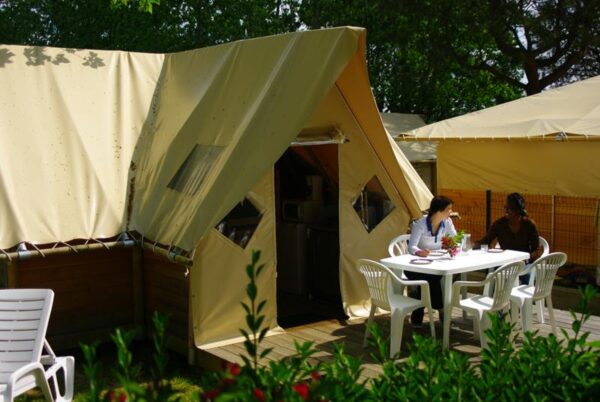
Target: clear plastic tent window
(193, 171)
(240, 223)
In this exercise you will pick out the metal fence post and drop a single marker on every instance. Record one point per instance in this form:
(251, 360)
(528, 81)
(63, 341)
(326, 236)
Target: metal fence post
(488, 210)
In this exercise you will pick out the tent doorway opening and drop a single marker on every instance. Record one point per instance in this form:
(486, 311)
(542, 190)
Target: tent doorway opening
(308, 253)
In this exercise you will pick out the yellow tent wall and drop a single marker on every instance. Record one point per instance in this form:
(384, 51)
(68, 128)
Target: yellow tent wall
(218, 277)
(545, 143)
(216, 318)
(570, 168)
(69, 122)
(219, 261)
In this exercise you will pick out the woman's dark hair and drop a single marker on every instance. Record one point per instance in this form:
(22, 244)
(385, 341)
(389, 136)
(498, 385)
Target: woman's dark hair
(517, 203)
(438, 203)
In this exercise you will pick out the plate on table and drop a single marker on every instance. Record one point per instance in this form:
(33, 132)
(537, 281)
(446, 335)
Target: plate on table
(495, 250)
(437, 253)
(421, 261)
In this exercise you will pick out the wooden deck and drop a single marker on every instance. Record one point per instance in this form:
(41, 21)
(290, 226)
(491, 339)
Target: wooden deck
(326, 334)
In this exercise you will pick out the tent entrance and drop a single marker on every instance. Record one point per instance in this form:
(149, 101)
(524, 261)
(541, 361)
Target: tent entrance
(308, 253)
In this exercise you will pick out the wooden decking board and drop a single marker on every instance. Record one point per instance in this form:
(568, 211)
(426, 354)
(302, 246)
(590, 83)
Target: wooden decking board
(326, 334)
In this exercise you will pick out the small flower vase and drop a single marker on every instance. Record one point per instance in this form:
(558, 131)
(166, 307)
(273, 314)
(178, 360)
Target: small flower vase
(453, 252)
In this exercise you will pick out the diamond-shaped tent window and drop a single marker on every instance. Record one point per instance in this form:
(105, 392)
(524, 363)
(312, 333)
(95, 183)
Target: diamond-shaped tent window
(372, 204)
(240, 223)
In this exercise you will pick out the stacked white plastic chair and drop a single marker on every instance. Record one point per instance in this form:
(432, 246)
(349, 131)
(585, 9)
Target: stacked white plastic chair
(399, 246)
(543, 272)
(480, 306)
(379, 280)
(24, 316)
(540, 303)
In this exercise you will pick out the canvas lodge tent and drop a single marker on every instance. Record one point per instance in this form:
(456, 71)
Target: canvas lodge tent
(421, 154)
(545, 146)
(178, 151)
(545, 143)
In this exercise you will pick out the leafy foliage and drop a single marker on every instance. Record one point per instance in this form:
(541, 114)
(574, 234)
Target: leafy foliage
(92, 369)
(127, 373)
(438, 58)
(527, 44)
(143, 5)
(543, 368)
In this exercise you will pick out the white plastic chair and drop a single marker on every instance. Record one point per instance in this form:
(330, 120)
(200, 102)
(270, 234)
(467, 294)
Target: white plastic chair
(545, 247)
(24, 316)
(540, 288)
(480, 306)
(379, 279)
(399, 246)
(540, 303)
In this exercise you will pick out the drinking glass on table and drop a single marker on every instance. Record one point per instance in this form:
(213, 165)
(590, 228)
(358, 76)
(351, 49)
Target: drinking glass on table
(484, 248)
(467, 245)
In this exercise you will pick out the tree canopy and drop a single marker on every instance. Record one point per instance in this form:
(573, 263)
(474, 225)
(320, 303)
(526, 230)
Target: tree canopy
(439, 58)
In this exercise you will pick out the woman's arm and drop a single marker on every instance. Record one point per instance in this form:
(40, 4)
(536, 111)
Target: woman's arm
(450, 229)
(488, 238)
(416, 231)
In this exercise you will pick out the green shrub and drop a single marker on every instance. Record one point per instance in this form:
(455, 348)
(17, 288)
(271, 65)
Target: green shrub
(542, 369)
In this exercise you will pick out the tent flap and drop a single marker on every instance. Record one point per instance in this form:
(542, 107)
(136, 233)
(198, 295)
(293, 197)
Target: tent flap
(250, 97)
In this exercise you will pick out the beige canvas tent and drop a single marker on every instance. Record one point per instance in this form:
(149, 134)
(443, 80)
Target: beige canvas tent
(542, 144)
(421, 154)
(97, 143)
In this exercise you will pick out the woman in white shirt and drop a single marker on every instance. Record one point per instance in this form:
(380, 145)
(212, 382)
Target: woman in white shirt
(425, 235)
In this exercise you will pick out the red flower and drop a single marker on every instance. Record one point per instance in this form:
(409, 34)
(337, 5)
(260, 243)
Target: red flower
(302, 390)
(227, 381)
(123, 397)
(234, 369)
(210, 395)
(111, 396)
(259, 394)
(315, 375)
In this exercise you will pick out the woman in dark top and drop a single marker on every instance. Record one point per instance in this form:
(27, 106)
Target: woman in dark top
(515, 230)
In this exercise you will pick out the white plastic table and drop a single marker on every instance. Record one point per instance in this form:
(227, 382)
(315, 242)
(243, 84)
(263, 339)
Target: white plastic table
(474, 260)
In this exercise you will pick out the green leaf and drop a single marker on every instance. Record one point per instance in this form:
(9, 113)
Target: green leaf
(250, 348)
(260, 306)
(259, 321)
(251, 291)
(262, 334)
(255, 256)
(246, 360)
(594, 344)
(265, 352)
(250, 323)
